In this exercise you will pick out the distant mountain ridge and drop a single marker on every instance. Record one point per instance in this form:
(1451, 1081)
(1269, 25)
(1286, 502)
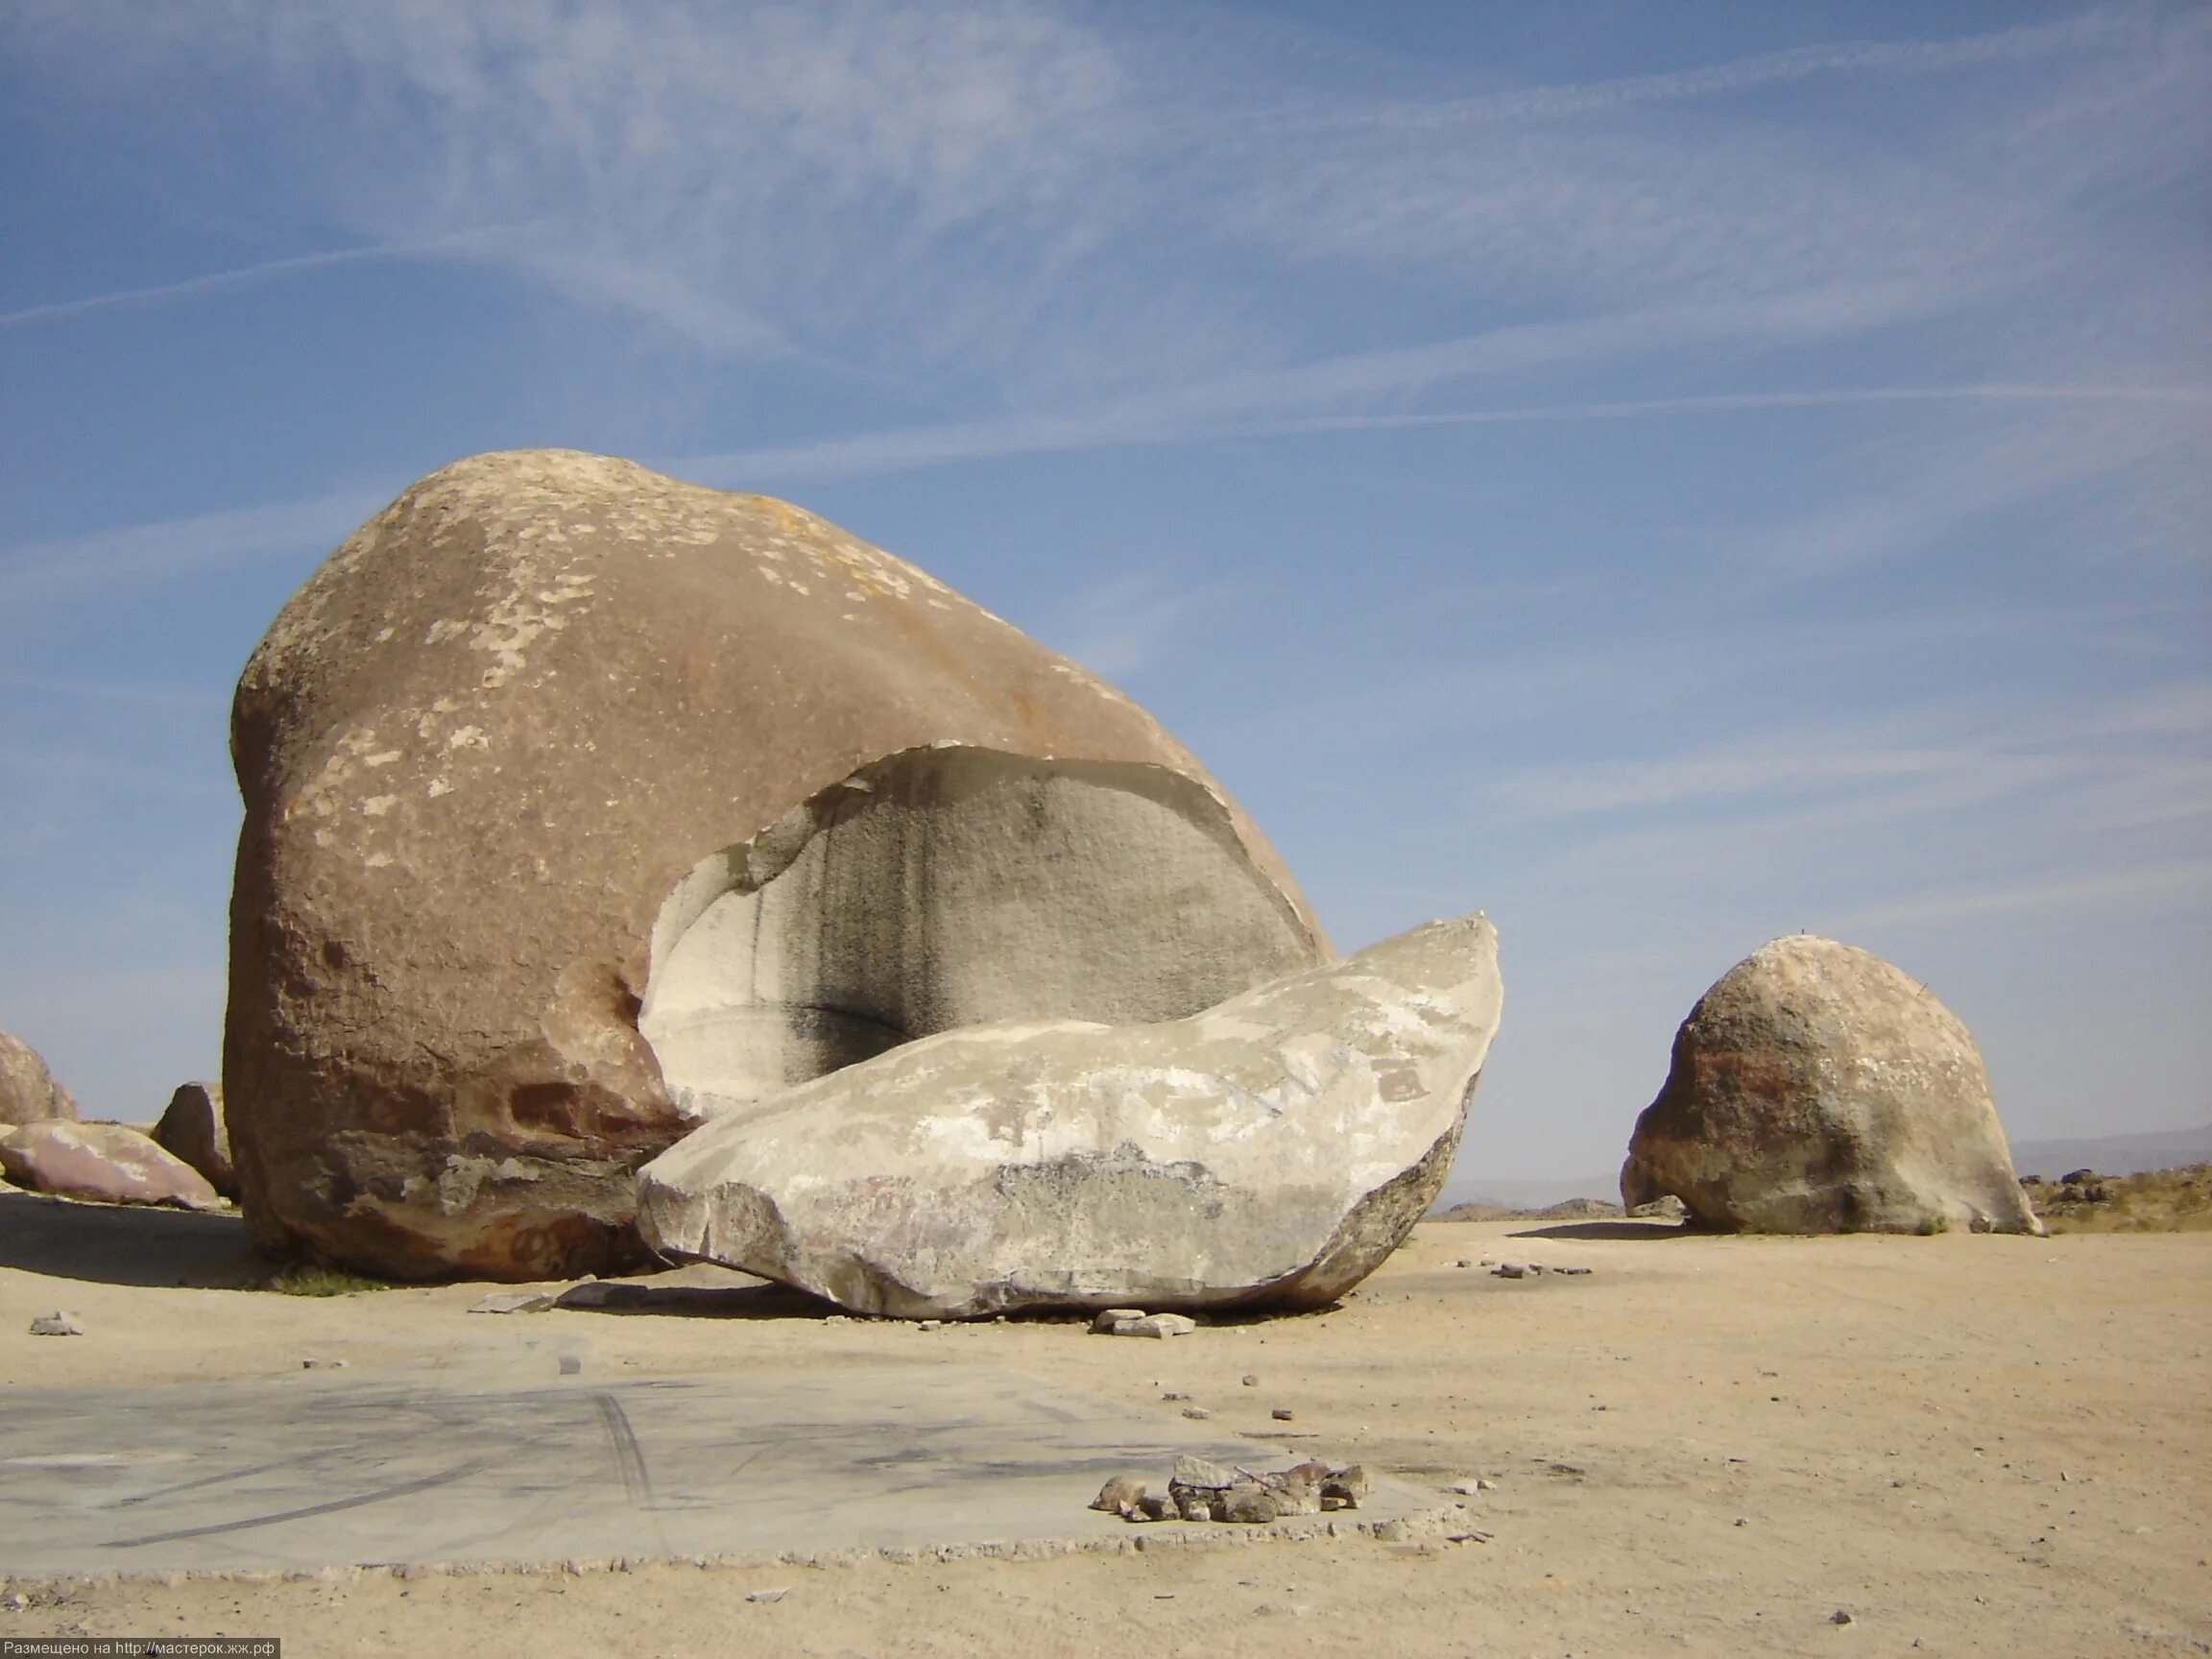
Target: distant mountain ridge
(2115, 1154)
(1534, 1194)
(2107, 1154)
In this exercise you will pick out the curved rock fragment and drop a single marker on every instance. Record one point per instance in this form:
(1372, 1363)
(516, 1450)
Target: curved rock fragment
(1816, 1088)
(544, 740)
(1271, 1150)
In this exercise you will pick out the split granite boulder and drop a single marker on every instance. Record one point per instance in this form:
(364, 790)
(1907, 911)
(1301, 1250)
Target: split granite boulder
(1816, 1088)
(581, 803)
(192, 1129)
(101, 1164)
(28, 1091)
(1270, 1151)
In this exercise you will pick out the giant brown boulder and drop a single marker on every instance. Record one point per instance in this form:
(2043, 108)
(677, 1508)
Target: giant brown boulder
(28, 1091)
(582, 802)
(1816, 1088)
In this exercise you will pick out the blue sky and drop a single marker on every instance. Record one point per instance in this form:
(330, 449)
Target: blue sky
(1668, 475)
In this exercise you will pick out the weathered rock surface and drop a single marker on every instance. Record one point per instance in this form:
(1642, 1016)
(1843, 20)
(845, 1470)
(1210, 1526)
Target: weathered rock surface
(104, 1162)
(582, 802)
(1271, 1150)
(28, 1091)
(1816, 1088)
(192, 1128)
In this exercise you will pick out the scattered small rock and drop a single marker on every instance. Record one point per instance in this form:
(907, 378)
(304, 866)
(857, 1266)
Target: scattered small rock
(1248, 1505)
(514, 1302)
(1159, 1325)
(1280, 1414)
(1513, 1270)
(313, 1365)
(1462, 1263)
(1192, 1471)
(1250, 1381)
(775, 1595)
(57, 1325)
(1196, 1413)
(14, 1602)
(1571, 1273)
(1110, 1317)
(1840, 1617)
(1296, 1492)
(1344, 1488)
(1121, 1496)
(930, 1325)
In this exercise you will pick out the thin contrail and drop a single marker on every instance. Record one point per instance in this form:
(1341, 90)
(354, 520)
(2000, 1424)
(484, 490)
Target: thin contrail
(1721, 402)
(916, 447)
(215, 280)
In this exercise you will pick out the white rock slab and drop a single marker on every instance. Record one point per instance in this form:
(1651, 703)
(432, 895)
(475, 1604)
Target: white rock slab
(1272, 1150)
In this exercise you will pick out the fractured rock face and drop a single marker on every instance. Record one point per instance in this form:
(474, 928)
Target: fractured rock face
(1271, 1150)
(1816, 1088)
(28, 1091)
(582, 802)
(102, 1163)
(952, 886)
(192, 1129)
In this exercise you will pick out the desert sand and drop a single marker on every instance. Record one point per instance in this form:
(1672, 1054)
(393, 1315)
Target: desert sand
(1704, 1445)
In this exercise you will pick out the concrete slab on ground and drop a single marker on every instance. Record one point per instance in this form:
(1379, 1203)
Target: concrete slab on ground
(544, 1458)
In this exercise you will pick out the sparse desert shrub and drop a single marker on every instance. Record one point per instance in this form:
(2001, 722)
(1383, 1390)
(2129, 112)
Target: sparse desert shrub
(310, 1279)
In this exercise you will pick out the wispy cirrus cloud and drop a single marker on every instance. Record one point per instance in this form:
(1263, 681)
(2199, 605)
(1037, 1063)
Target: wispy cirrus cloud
(1116, 627)
(2187, 882)
(1013, 201)
(39, 571)
(2024, 44)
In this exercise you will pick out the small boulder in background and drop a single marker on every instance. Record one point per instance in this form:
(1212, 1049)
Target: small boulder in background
(1816, 1088)
(28, 1091)
(192, 1129)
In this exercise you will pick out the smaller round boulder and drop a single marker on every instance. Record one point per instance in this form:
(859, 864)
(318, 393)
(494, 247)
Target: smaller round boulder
(28, 1091)
(1816, 1088)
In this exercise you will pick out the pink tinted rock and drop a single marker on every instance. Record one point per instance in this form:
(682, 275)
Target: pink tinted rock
(103, 1163)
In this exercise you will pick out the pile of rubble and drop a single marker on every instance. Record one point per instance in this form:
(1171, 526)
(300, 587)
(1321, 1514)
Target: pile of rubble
(1199, 1490)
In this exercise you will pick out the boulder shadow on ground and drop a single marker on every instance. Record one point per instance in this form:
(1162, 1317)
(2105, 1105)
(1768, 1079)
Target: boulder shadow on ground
(125, 1243)
(698, 1293)
(1615, 1230)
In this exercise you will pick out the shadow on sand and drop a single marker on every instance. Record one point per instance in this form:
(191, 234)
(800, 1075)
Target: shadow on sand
(1615, 1230)
(698, 1294)
(125, 1243)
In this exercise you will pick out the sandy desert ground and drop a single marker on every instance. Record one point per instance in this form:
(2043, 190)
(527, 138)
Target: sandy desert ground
(1705, 1445)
